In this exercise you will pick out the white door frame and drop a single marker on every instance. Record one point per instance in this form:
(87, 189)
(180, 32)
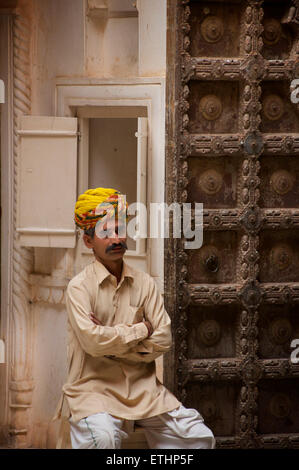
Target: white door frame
(74, 93)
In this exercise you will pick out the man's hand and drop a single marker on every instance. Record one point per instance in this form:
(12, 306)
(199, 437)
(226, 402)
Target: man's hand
(96, 321)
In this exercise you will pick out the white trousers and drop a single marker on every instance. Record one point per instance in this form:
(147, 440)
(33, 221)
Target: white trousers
(182, 428)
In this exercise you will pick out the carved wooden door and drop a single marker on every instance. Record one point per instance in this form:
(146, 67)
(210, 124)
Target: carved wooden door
(233, 144)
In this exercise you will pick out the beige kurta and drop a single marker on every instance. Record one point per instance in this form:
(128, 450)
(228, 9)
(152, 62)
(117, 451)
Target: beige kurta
(112, 367)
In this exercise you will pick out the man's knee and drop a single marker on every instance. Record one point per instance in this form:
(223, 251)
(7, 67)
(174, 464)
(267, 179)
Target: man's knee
(207, 439)
(207, 442)
(94, 432)
(100, 439)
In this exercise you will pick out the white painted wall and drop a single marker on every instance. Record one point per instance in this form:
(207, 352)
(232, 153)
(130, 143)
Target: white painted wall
(71, 47)
(120, 49)
(50, 370)
(68, 43)
(58, 49)
(152, 37)
(111, 41)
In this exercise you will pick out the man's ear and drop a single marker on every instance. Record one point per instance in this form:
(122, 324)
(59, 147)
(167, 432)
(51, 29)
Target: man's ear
(87, 240)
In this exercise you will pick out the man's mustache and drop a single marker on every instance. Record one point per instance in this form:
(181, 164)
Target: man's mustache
(117, 245)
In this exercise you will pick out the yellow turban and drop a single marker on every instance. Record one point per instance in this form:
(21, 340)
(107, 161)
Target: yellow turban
(94, 204)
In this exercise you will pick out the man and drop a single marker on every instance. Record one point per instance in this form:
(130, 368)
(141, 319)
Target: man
(117, 328)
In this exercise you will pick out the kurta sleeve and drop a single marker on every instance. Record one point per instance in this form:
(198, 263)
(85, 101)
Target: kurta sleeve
(160, 341)
(94, 339)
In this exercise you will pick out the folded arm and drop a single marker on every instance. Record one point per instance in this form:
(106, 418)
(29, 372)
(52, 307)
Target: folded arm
(98, 340)
(148, 349)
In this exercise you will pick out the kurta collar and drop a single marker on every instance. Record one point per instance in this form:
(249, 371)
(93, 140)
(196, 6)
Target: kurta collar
(102, 272)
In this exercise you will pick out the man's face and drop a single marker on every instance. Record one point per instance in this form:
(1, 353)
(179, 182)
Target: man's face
(108, 247)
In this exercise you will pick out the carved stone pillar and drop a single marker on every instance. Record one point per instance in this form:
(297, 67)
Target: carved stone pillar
(21, 334)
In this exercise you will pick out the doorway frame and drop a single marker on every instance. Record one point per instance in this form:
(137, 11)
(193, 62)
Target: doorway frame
(73, 94)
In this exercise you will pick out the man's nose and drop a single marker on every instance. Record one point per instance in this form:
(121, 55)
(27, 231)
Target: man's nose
(116, 238)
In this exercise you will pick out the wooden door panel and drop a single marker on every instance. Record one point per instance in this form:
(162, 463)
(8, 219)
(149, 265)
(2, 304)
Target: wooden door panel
(213, 107)
(213, 183)
(279, 256)
(279, 182)
(278, 38)
(212, 332)
(217, 402)
(276, 407)
(216, 261)
(278, 325)
(233, 145)
(278, 112)
(213, 23)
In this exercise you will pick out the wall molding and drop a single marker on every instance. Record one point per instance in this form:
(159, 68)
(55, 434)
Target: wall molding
(49, 289)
